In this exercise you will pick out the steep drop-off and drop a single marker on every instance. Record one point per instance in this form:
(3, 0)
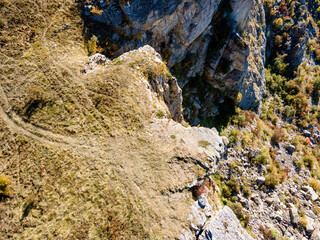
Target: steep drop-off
(201, 42)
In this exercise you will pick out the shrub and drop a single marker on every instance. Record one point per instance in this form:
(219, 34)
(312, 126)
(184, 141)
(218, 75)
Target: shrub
(96, 11)
(4, 187)
(225, 191)
(314, 183)
(277, 23)
(233, 136)
(173, 136)
(262, 158)
(203, 143)
(275, 176)
(308, 161)
(303, 221)
(92, 45)
(197, 191)
(299, 164)
(246, 191)
(160, 113)
(278, 40)
(234, 186)
(277, 136)
(241, 120)
(238, 211)
(317, 84)
(272, 180)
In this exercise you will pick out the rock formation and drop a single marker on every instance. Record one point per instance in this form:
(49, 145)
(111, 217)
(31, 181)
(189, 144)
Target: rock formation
(187, 34)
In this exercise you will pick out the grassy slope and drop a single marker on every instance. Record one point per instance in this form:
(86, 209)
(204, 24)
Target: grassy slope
(79, 161)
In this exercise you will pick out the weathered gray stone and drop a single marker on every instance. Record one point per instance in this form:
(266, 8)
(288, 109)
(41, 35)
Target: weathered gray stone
(315, 235)
(310, 193)
(165, 87)
(224, 225)
(306, 133)
(269, 200)
(290, 148)
(294, 215)
(260, 180)
(310, 225)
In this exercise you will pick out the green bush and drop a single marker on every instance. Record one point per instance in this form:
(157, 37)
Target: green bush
(262, 158)
(203, 143)
(225, 191)
(272, 180)
(308, 161)
(241, 120)
(241, 215)
(234, 186)
(246, 191)
(277, 136)
(233, 136)
(160, 113)
(274, 234)
(4, 186)
(314, 183)
(92, 45)
(277, 23)
(317, 84)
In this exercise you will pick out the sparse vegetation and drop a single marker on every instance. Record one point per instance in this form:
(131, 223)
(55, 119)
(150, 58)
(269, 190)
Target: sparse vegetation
(203, 143)
(4, 187)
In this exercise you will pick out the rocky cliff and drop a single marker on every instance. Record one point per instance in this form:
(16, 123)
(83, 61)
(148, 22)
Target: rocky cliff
(200, 40)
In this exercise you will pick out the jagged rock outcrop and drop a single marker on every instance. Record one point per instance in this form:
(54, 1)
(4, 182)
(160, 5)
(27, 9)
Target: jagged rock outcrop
(162, 88)
(188, 36)
(253, 86)
(173, 24)
(228, 73)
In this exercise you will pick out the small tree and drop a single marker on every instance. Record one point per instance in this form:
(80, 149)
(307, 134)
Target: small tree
(92, 45)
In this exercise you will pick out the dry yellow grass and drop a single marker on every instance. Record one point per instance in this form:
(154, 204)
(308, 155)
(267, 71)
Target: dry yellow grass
(80, 162)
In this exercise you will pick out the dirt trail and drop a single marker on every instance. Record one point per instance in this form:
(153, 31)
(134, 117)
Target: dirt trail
(86, 146)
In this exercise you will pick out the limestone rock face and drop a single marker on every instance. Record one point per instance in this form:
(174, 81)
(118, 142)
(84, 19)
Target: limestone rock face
(224, 226)
(165, 86)
(253, 86)
(228, 74)
(183, 32)
(175, 23)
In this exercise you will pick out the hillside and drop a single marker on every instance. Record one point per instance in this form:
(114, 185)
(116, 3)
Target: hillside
(79, 158)
(151, 119)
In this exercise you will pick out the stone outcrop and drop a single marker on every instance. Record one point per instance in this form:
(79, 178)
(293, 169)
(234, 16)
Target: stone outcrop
(227, 74)
(253, 86)
(224, 225)
(165, 86)
(162, 88)
(176, 24)
(207, 225)
(186, 34)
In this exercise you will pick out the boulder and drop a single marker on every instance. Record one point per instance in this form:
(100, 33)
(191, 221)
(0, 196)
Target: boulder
(310, 225)
(260, 180)
(294, 215)
(309, 193)
(315, 235)
(269, 200)
(306, 133)
(202, 201)
(290, 148)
